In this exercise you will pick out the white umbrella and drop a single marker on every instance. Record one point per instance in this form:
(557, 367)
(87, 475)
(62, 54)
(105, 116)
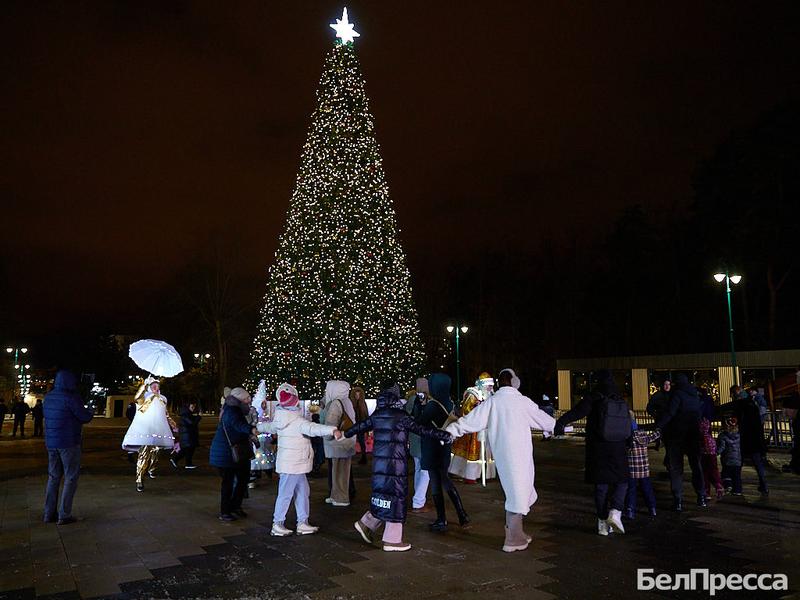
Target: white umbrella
(156, 357)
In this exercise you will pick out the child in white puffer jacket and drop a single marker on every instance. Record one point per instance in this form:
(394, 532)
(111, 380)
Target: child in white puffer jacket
(295, 459)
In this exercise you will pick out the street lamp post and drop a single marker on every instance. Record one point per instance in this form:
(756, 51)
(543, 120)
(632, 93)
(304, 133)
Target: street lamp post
(728, 279)
(16, 352)
(458, 329)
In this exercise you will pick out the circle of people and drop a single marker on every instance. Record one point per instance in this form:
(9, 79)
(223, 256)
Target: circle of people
(492, 433)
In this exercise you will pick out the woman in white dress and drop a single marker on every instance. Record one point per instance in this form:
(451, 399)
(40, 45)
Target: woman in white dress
(149, 431)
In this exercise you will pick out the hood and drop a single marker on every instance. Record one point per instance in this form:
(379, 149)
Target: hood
(604, 382)
(336, 390)
(389, 399)
(285, 416)
(705, 426)
(66, 380)
(422, 386)
(440, 387)
(681, 382)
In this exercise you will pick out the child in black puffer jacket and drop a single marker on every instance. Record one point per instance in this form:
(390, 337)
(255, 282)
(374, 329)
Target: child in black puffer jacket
(730, 451)
(391, 426)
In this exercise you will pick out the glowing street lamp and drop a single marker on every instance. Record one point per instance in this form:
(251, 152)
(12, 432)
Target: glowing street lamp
(458, 330)
(16, 352)
(728, 279)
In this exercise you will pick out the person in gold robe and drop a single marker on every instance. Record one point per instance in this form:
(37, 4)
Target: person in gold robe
(466, 461)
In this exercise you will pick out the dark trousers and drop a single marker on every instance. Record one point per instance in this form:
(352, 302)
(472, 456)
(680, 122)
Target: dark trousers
(234, 485)
(19, 423)
(37, 427)
(351, 489)
(319, 452)
(186, 453)
(63, 463)
(612, 494)
(676, 449)
(633, 491)
(440, 478)
(362, 442)
(732, 478)
(758, 459)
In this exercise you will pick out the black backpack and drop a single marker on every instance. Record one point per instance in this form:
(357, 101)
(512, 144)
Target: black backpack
(614, 420)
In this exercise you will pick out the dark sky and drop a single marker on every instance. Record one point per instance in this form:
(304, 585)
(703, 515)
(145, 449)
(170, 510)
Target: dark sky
(137, 134)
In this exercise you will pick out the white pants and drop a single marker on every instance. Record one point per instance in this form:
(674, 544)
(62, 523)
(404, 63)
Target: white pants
(292, 487)
(421, 481)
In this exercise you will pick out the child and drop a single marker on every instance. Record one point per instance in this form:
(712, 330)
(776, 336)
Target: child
(392, 425)
(639, 469)
(295, 459)
(708, 460)
(730, 451)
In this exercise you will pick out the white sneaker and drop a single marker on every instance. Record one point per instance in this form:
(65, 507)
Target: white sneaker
(251, 485)
(615, 521)
(515, 548)
(401, 547)
(306, 529)
(279, 530)
(328, 500)
(190, 467)
(334, 503)
(602, 527)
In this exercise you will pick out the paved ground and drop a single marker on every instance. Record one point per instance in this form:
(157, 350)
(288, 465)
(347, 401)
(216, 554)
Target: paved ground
(167, 542)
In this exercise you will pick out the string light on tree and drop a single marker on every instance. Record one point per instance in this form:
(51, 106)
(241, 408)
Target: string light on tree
(339, 301)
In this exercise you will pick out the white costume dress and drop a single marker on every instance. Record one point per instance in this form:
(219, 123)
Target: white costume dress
(508, 417)
(149, 426)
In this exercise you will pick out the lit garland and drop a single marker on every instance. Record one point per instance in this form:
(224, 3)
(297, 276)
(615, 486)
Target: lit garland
(339, 302)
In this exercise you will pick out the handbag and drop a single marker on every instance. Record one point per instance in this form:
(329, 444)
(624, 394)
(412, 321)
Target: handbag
(236, 452)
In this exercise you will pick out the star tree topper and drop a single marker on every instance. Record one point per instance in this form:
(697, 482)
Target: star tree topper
(345, 30)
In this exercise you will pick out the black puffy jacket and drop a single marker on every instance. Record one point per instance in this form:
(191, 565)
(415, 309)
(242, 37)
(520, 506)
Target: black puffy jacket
(681, 421)
(190, 428)
(391, 426)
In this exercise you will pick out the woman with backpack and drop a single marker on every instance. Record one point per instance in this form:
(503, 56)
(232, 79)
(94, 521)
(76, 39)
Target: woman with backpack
(608, 427)
(339, 413)
(438, 413)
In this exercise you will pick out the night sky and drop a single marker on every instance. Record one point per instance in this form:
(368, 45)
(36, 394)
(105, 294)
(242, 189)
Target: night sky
(136, 135)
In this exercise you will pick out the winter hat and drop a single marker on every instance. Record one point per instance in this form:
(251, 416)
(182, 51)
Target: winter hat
(287, 396)
(237, 396)
(515, 382)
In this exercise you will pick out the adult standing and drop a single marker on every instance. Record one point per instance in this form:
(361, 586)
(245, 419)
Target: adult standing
(149, 431)
(339, 413)
(3, 411)
(37, 412)
(414, 407)
(359, 399)
(680, 429)
(467, 462)
(608, 427)
(65, 415)
(20, 410)
(436, 457)
(508, 417)
(231, 452)
(658, 405)
(751, 435)
(189, 435)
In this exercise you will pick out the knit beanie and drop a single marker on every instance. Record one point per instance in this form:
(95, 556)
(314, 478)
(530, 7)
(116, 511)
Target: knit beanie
(287, 396)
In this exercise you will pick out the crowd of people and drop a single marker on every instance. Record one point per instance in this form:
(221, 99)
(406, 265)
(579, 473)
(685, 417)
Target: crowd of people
(19, 410)
(254, 435)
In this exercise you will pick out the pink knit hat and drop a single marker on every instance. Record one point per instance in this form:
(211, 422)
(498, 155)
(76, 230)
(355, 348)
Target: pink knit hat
(287, 395)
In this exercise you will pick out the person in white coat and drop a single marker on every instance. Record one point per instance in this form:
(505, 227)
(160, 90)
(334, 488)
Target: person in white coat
(295, 459)
(508, 417)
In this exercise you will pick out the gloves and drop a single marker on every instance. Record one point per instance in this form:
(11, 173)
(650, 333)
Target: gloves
(559, 429)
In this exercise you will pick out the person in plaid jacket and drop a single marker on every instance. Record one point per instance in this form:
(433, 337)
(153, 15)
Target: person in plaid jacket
(639, 470)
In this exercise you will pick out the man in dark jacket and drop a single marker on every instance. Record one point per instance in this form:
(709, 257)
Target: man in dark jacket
(190, 435)
(38, 417)
(606, 460)
(20, 411)
(3, 411)
(751, 435)
(64, 415)
(391, 425)
(680, 430)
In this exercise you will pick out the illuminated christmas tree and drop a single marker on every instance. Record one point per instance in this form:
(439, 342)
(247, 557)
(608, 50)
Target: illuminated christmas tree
(339, 303)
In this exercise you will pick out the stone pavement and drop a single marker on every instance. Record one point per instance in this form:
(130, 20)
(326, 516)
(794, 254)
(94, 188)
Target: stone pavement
(168, 543)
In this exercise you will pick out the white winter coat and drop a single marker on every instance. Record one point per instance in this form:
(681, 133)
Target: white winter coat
(295, 455)
(508, 417)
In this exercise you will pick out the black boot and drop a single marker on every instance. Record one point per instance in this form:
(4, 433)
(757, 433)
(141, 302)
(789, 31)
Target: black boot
(677, 505)
(701, 501)
(440, 524)
(455, 498)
